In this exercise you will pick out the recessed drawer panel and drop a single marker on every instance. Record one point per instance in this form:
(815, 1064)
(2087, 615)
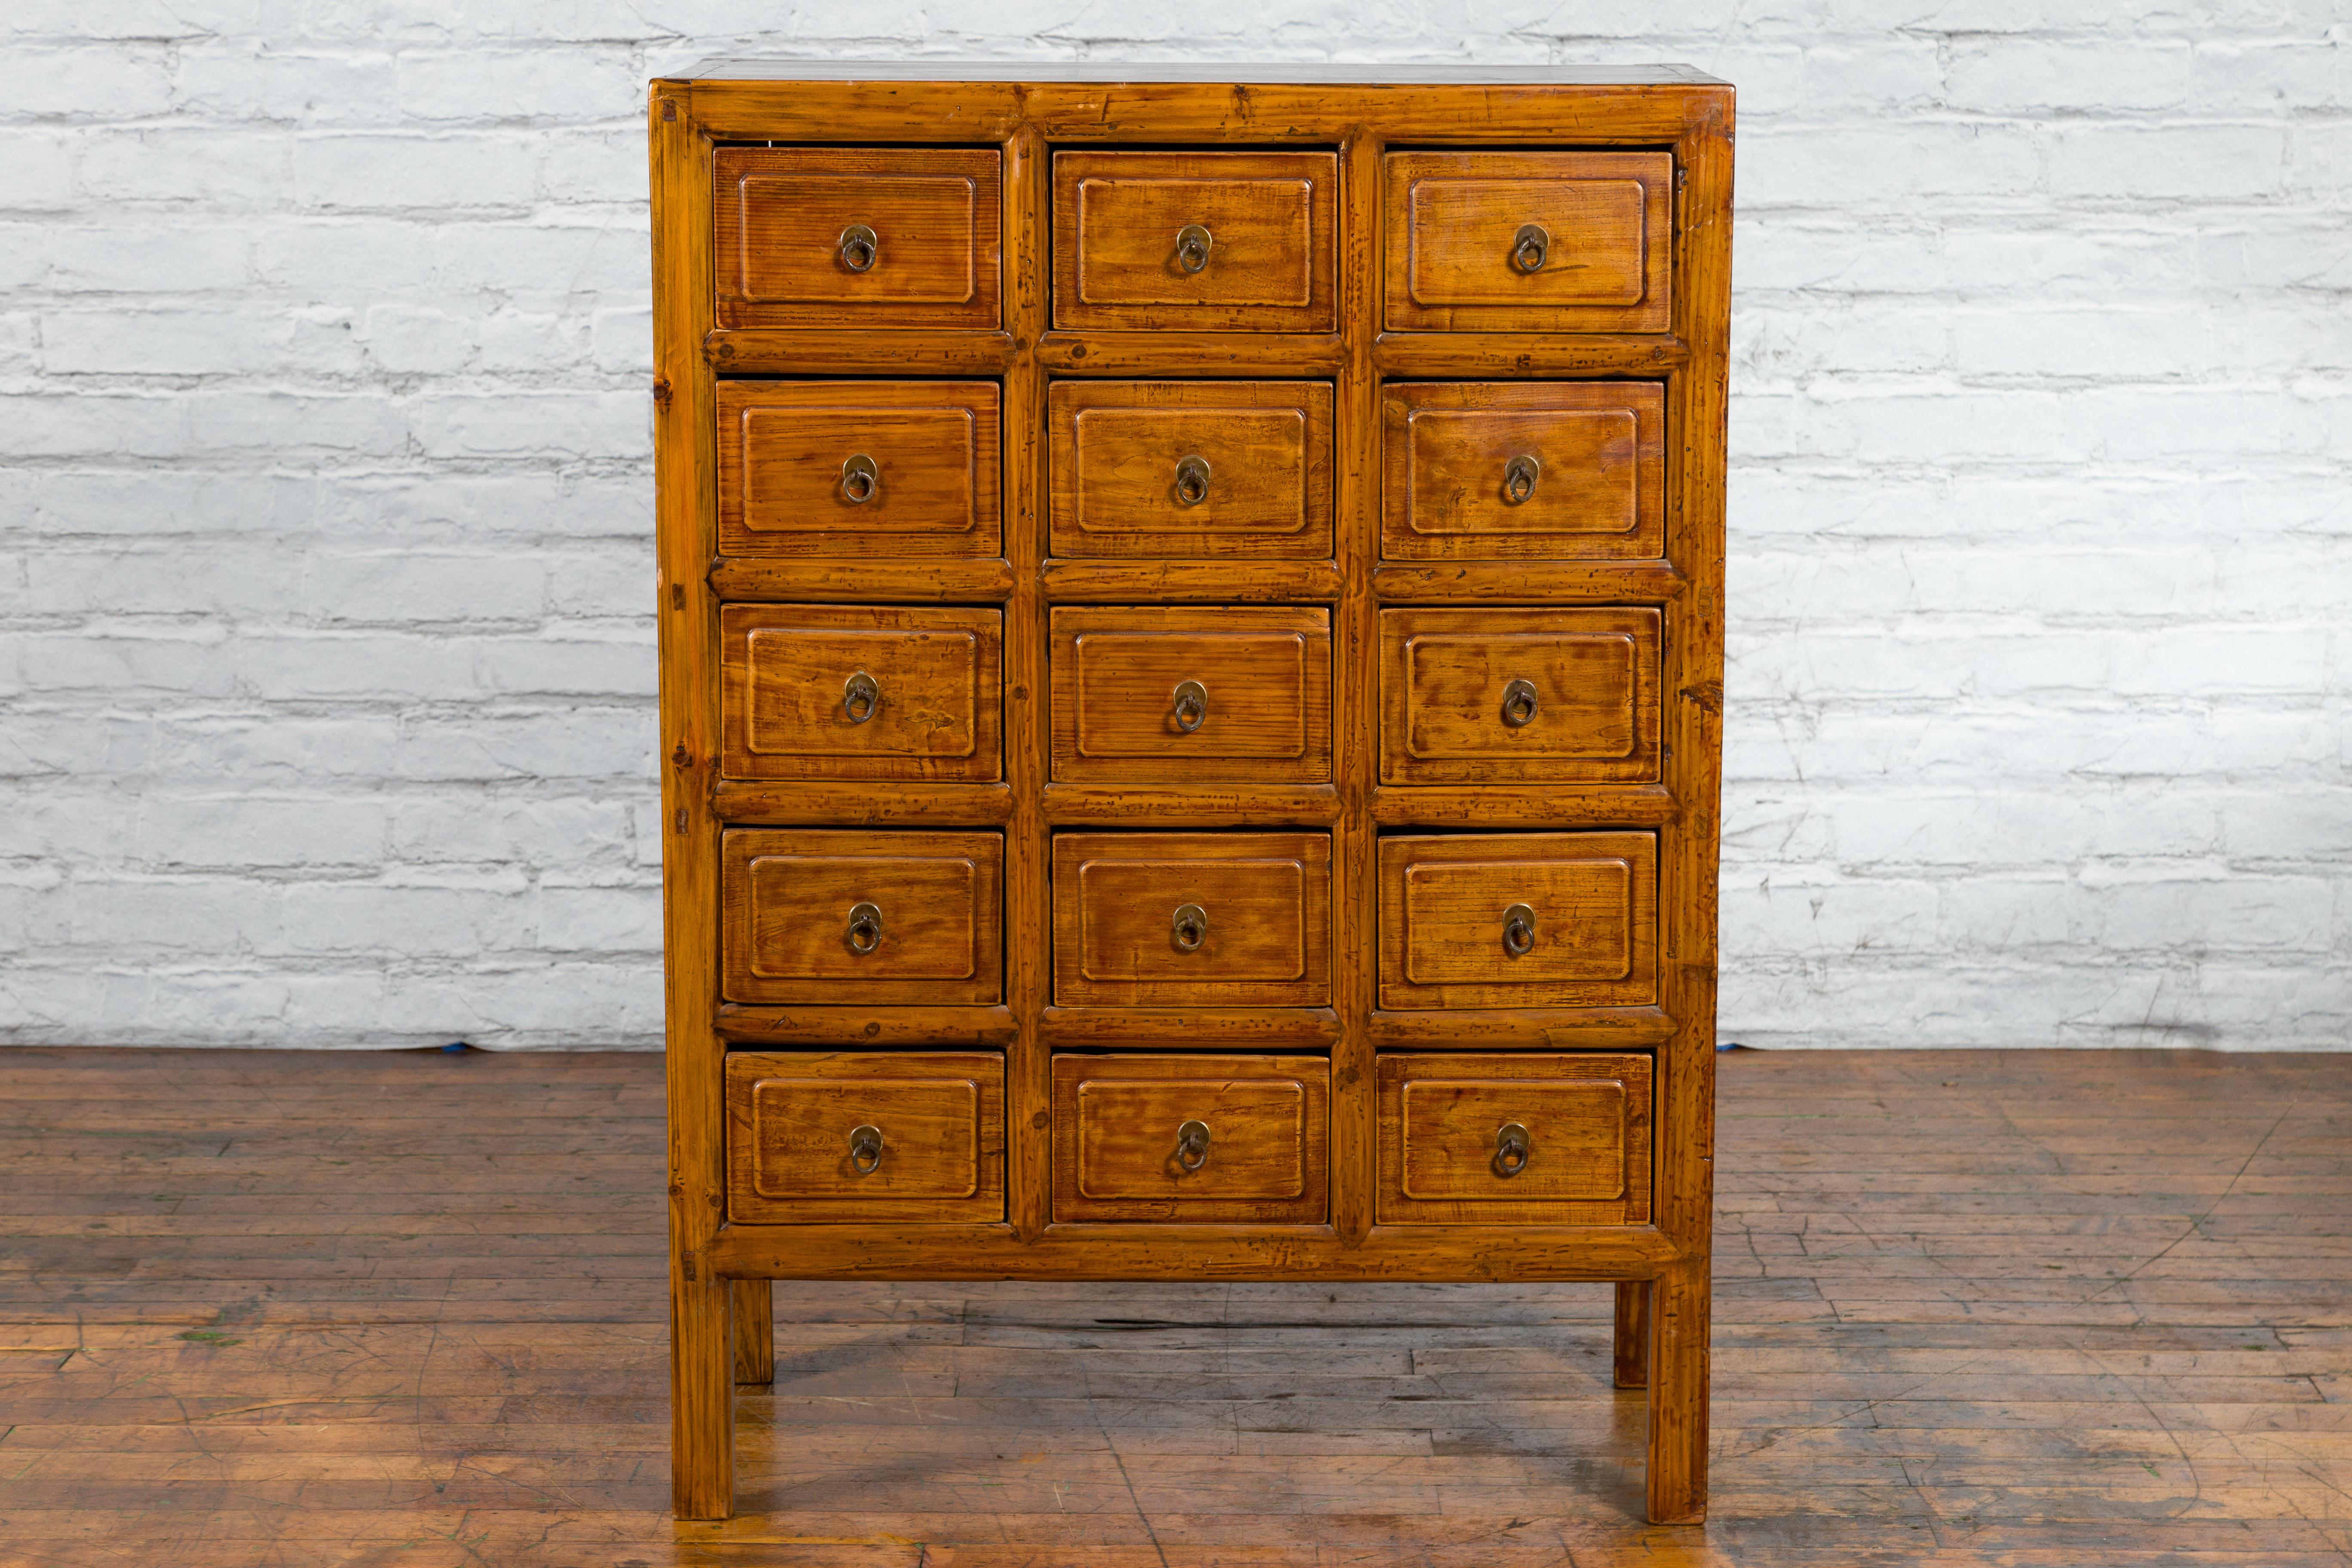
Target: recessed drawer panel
(1181, 695)
(1238, 469)
(818, 1136)
(1505, 471)
(1492, 1140)
(855, 691)
(861, 919)
(859, 468)
(1519, 920)
(1191, 1138)
(1519, 696)
(1197, 241)
(1530, 242)
(839, 237)
(1167, 919)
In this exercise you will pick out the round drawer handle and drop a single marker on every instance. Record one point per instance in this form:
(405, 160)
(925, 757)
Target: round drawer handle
(1531, 247)
(1192, 1145)
(1512, 1148)
(859, 249)
(1189, 928)
(859, 479)
(1519, 476)
(1519, 704)
(1192, 242)
(865, 928)
(1518, 930)
(1190, 704)
(866, 1149)
(1191, 480)
(861, 698)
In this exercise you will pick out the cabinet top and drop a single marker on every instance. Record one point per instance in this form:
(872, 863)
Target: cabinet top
(1156, 71)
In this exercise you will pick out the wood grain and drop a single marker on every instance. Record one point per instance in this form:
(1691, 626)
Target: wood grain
(1267, 938)
(1266, 674)
(790, 1115)
(1587, 1121)
(780, 212)
(1594, 898)
(1452, 219)
(1593, 674)
(785, 671)
(1115, 1126)
(1117, 217)
(788, 895)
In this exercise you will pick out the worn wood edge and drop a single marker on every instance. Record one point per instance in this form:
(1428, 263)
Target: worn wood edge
(1589, 1028)
(1530, 583)
(1514, 805)
(880, 352)
(1071, 581)
(839, 580)
(1210, 805)
(1189, 1028)
(833, 803)
(1288, 356)
(1235, 1253)
(1490, 356)
(987, 1028)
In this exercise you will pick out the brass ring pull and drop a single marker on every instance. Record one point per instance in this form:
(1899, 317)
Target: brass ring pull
(1192, 244)
(861, 698)
(1512, 1148)
(1191, 480)
(859, 249)
(1519, 476)
(865, 929)
(1519, 704)
(1192, 1145)
(866, 1149)
(1190, 702)
(1189, 928)
(859, 479)
(1529, 247)
(1518, 930)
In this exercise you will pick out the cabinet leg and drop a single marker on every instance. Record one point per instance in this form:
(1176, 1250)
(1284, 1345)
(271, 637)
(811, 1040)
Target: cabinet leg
(755, 1331)
(702, 1399)
(1678, 1393)
(1633, 1334)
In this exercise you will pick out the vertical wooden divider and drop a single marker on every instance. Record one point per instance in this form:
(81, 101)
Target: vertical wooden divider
(1029, 1098)
(702, 1351)
(1356, 743)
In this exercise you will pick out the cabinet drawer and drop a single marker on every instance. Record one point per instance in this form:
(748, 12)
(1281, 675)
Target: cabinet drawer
(860, 919)
(1506, 470)
(1231, 469)
(859, 468)
(1533, 242)
(838, 236)
(1496, 1140)
(1197, 241)
(1181, 695)
(1519, 920)
(1191, 1138)
(1519, 696)
(1167, 919)
(855, 691)
(816, 1136)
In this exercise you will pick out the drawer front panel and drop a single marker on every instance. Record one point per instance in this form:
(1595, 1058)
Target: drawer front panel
(859, 468)
(833, 236)
(1235, 469)
(1191, 1138)
(861, 919)
(849, 1136)
(1183, 695)
(1556, 1139)
(1519, 696)
(1541, 242)
(1197, 241)
(854, 691)
(1500, 471)
(1519, 920)
(1163, 920)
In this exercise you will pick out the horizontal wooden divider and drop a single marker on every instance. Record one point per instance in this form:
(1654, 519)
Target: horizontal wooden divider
(1596, 1028)
(738, 350)
(1278, 356)
(829, 804)
(862, 582)
(1206, 805)
(1189, 1028)
(852, 1026)
(1514, 355)
(1071, 582)
(1527, 582)
(1524, 806)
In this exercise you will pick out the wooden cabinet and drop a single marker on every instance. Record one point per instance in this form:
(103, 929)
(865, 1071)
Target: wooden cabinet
(1191, 618)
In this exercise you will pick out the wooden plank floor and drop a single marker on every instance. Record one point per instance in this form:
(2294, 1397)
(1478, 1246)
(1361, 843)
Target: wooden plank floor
(2028, 1308)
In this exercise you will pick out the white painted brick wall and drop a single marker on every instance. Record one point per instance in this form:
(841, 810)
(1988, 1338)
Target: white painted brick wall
(326, 665)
